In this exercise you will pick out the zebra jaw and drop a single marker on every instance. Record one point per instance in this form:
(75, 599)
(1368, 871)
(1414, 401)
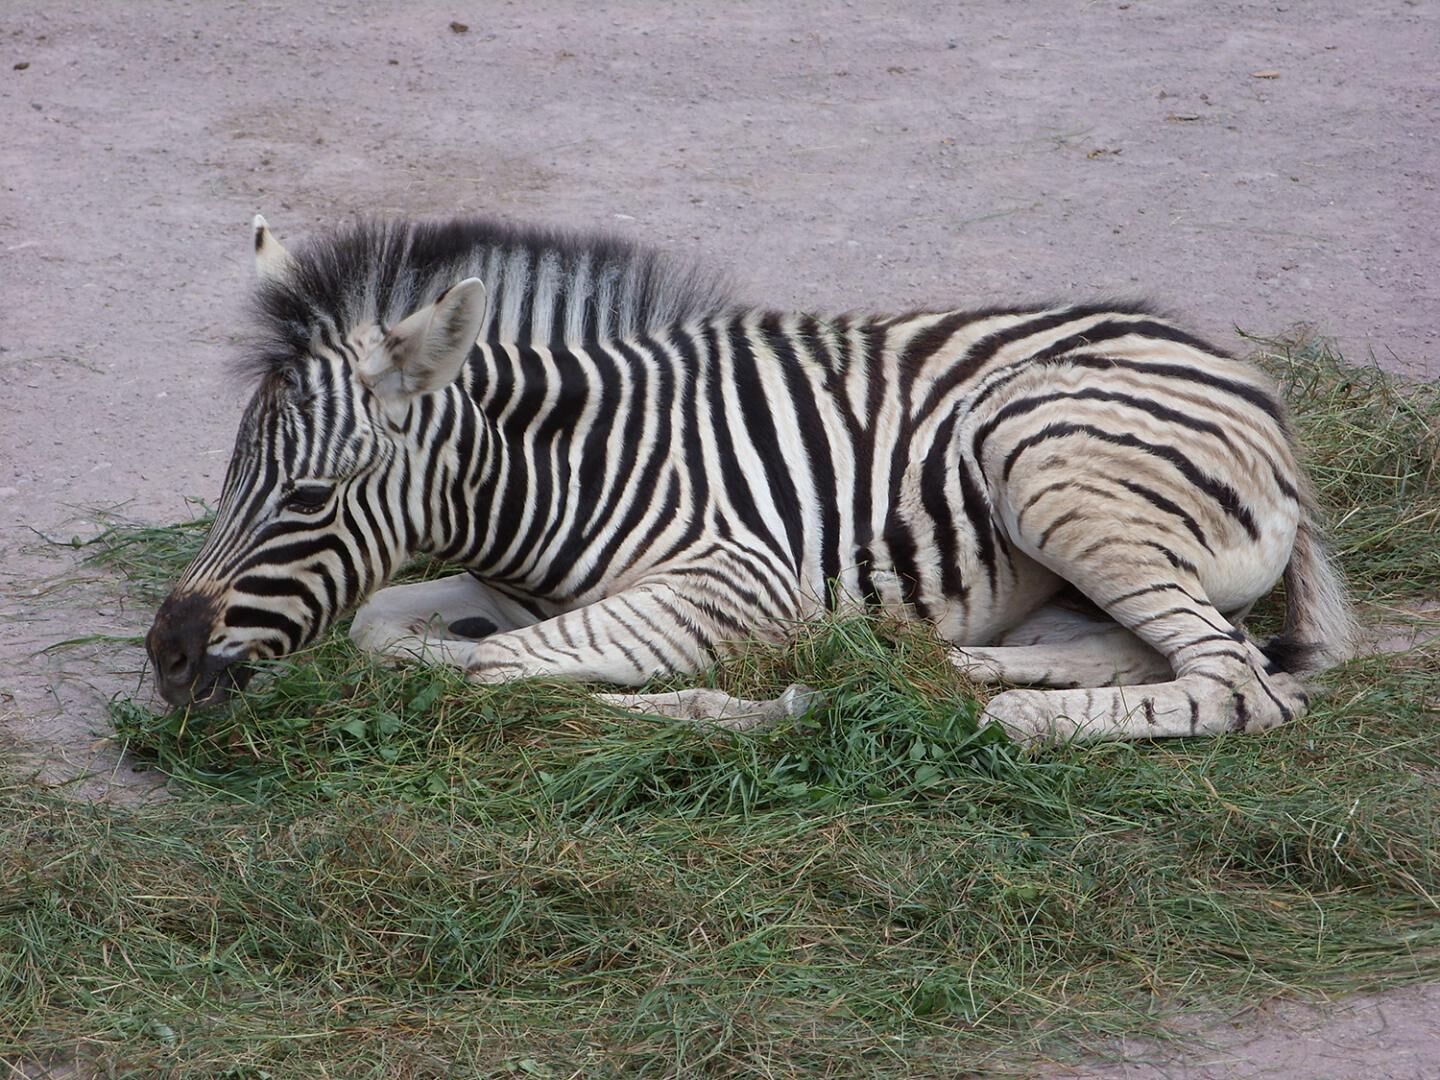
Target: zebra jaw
(214, 687)
(215, 679)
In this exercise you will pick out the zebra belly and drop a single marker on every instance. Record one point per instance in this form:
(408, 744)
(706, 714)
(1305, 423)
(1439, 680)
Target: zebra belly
(970, 599)
(984, 620)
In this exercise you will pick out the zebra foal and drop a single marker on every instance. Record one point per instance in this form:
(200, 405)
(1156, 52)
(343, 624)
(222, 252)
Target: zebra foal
(634, 470)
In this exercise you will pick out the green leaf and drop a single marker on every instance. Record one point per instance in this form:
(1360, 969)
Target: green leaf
(386, 724)
(420, 704)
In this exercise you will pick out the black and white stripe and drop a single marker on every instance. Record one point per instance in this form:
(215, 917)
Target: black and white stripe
(635, 470)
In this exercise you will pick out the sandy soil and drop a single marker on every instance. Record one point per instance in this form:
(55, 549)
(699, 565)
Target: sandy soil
(1250, 165)
(1388, 1036)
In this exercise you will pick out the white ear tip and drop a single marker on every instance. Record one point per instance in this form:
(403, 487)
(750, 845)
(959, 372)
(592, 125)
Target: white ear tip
(272, 262)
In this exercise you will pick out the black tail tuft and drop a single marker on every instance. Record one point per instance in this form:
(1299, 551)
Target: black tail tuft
(1286, 654)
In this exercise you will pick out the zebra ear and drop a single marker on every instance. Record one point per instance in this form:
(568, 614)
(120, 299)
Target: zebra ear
(272, 261)
(426, 350)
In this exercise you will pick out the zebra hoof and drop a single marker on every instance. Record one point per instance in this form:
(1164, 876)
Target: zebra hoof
(1024, 715)
(798, 699)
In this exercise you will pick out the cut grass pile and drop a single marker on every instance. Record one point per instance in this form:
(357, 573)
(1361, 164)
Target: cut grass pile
(378, 872)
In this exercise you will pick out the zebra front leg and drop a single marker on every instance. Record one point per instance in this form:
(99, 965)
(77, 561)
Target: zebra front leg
(715, 708)
(429, 621)
(628, 639)
(625, 639)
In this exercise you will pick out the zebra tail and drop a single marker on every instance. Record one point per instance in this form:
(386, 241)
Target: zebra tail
(1320, 630)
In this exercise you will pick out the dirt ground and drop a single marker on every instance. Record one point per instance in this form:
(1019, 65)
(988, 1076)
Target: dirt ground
(1247, 165)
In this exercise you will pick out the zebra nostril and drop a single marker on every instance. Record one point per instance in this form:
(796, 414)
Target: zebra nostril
(177, 666)
(175, 662)
(175, 655)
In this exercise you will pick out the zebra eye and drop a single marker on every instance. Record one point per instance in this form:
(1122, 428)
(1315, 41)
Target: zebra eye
(307, 498)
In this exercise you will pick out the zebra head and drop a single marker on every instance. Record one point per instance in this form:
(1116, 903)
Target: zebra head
(318, 506)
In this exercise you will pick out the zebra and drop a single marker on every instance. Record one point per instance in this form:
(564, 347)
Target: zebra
(634, 471)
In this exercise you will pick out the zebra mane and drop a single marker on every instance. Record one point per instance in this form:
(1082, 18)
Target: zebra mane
(543, 285)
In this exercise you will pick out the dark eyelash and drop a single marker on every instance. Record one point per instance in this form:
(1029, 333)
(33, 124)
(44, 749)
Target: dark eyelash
(307, 498)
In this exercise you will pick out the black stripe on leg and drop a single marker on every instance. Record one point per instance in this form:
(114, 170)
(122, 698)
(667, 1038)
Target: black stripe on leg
(1063, 519)
(1160, 502)
(1163, 587)
(1157, 615)
(1228, 654)
(1176, 561)
(1285, 715)
(1242, 712)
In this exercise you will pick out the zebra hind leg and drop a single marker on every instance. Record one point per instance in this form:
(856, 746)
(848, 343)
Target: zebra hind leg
(1150, 584)
(1217, 689)
(1060, 646)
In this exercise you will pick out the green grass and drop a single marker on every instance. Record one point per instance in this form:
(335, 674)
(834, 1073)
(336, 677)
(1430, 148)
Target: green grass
(382, 872)
(1373, 452)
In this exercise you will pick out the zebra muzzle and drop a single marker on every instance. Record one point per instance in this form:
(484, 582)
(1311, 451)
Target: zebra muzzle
(186, 672)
